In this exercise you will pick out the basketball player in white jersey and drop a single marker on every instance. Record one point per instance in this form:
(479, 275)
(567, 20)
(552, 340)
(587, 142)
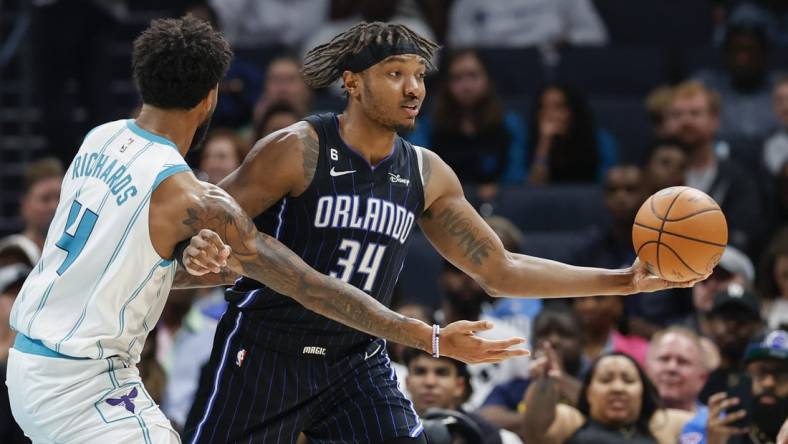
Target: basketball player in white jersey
(128, 199)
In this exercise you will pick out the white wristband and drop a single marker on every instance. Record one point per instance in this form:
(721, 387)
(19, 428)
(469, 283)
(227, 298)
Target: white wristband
(436, 341)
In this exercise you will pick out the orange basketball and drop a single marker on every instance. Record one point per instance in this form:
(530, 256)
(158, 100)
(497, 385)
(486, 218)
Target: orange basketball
(680, 233)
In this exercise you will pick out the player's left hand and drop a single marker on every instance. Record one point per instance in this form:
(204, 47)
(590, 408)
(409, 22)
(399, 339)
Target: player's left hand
(459, 341)
(645, 281)
(205, 254)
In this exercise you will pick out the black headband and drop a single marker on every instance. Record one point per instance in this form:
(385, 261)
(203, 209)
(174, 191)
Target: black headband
(375, 53)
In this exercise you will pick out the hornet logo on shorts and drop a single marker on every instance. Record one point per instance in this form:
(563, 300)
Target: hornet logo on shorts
(126, 400)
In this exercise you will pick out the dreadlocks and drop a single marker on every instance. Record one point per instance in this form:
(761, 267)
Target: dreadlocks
(324, 64)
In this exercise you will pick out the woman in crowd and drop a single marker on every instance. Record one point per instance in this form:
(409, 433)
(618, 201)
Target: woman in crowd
(564, 145)
(222, 152)
(618, 404)
(470, 129)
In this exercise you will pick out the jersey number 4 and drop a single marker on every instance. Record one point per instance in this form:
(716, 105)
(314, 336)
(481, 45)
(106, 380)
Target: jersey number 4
(370, 262)
(73, 244)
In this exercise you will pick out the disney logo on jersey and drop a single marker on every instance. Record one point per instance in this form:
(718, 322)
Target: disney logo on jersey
(396, 178)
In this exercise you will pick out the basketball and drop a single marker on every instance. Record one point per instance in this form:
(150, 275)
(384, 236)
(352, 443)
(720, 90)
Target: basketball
(680, 233)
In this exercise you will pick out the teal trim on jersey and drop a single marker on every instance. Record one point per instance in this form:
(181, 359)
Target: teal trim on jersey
(132, 125)
(169, 171)
(35, 347)
(164, 263)
(121, 315)
(145, 431)
(101, 349)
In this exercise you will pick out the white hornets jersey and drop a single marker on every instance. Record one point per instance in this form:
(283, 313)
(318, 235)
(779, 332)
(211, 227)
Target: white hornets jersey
(99, 286)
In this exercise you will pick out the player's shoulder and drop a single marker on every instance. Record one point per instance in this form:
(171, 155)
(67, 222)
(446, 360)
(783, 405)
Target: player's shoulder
(290, 141)
(104, 130)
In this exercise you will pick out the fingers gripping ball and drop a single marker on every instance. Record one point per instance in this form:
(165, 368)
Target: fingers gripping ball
(680, 233)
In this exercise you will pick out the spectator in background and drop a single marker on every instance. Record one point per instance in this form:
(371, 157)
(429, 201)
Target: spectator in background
(666, 165)
(775, 150)
(599, 316)
(657, 105)
(240, 87)
(612, 247)
(546, 24)
(517, 312)
(352, 12)
(765, 408)
(443, 383)
(745, 84)
(284, 84)
(676, 365)
(463, 298)
(694, 119)
(733, 321)
(469, 128)
(734, 268)
(251, 23)
(11, 279)
(72, 68)
(182, 336)
(772, 13)
(39, 201)
(563, 144)
(773, 281)
(277, 116)
(18, 249)
(505, 406)
(618, 404)
(222, 152)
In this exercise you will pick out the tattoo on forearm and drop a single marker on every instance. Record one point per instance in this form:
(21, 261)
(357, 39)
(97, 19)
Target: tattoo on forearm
(467, 237)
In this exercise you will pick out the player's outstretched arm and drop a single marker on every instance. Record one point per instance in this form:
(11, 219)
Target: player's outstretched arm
(458, 232)
(265, 259)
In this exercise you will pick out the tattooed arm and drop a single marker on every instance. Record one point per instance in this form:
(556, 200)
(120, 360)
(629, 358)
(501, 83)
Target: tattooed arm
(279, 165)
(461, 236)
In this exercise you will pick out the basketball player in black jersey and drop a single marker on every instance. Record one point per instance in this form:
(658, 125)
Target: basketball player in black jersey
(344, 192)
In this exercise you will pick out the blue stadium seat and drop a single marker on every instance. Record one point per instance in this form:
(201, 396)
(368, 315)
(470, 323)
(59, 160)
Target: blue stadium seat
(658, 23)
(613, 71)
(626, 118)
(552, 208)
(558, 246)
(515, 71)
(418, 281)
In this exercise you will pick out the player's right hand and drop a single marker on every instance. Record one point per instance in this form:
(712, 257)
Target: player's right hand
(458, 341)
(205, 254)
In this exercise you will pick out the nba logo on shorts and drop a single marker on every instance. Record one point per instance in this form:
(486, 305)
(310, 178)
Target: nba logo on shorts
(239, 358)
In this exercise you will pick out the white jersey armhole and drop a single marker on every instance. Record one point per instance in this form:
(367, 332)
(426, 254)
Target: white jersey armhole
(420, 160)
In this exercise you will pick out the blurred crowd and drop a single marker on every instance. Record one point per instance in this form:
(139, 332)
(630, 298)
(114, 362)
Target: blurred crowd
(532, 98)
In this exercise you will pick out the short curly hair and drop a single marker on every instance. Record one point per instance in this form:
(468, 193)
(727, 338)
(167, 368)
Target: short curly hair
(177, 62)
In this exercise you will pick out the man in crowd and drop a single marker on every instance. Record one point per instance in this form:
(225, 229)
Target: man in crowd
(677, 366)
(443, 383)
(505, 405)
(758, 417)
(733, 320)
(694, 119)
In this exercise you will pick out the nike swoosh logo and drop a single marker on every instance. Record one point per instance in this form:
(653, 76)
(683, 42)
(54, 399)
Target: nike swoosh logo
(367, 355)
(335, 173)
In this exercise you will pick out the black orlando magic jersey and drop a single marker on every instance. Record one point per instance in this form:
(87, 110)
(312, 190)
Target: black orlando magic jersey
(353, 222)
